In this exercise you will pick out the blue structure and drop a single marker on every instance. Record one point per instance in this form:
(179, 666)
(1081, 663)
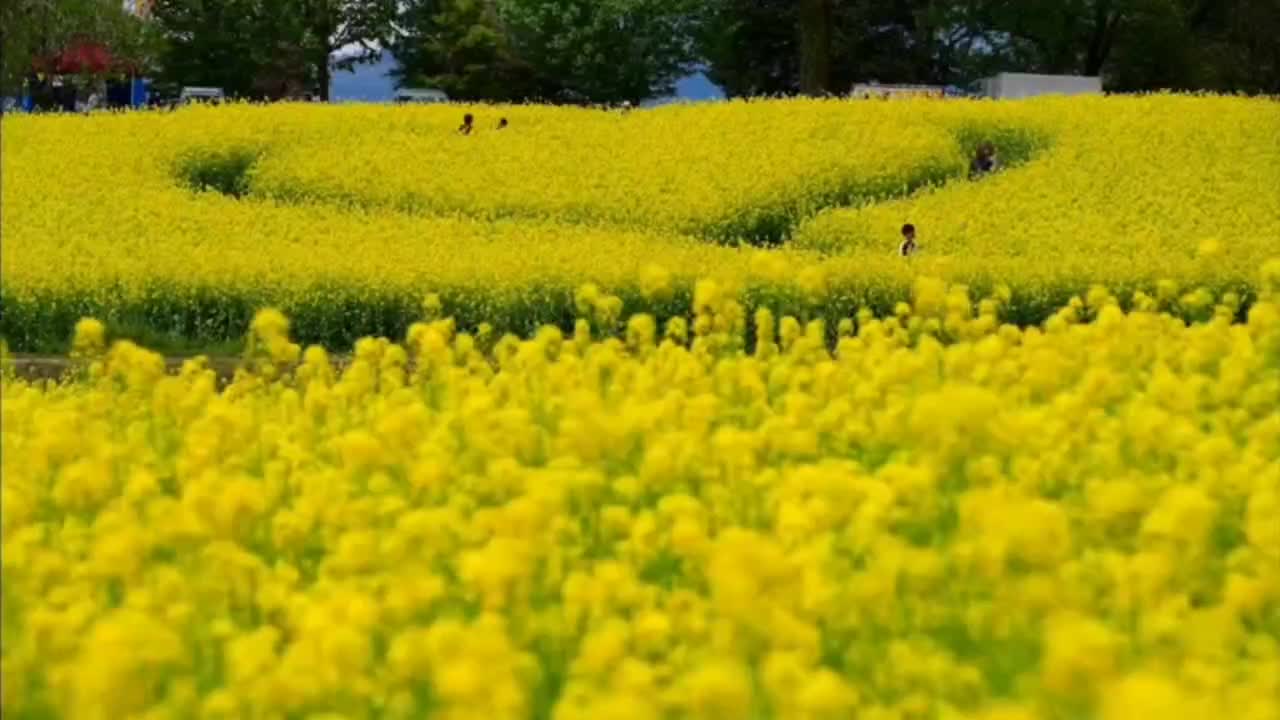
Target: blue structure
(139, 92)
(132, 93)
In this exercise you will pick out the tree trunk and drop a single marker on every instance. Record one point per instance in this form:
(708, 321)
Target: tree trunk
(815, 46)
(1198, 17)
(325, 75)
(1106, 22)
(325, 27)
(925, 56)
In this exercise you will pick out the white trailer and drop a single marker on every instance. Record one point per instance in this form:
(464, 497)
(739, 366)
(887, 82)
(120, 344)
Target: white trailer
(1024, 85)
(423, 96)
(876, 90)
(192, 94)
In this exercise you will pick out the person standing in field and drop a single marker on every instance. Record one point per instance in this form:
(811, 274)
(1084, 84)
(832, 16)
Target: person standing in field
(502, 123)
(468, 124)
(908, 246)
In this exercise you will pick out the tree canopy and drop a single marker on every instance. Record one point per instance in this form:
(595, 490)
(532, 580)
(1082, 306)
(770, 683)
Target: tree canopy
(268, 48)
(615, 50)
(461, 47)
(32, 31)
(551, 50)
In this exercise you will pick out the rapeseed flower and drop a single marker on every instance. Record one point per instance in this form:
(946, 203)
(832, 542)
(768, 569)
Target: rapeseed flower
(939, 515)
(610, 204)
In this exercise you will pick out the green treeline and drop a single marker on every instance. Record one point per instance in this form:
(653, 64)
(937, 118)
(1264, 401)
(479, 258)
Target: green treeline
(611, 51)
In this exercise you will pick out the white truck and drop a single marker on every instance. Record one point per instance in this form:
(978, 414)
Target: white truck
(1024, 85)
(869, 90)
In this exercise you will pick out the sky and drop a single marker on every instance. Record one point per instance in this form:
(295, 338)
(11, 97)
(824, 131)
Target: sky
(370, 83)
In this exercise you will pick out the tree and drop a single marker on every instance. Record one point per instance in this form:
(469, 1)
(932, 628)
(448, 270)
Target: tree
(329, 25)
(815, 46)
(1061, 36)
(31, 30)
(1238, 43)
(886, 40)
(750, 47)
(1225, 45)
(601, 50)
(779, 46)
(459, 46)
(1157, 48)
(223, 43)
(812, 46)
(269, 48)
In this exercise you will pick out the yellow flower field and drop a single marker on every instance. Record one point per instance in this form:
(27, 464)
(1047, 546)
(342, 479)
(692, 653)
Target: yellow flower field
(1135, 187)
(943, 517)
(344, 217)
(722, 171)
(664, 429)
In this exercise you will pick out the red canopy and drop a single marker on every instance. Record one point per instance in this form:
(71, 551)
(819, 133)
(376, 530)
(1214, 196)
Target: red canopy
(81, 57)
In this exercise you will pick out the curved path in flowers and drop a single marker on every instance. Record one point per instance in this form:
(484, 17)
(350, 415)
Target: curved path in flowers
(349, 215)
(698, 193)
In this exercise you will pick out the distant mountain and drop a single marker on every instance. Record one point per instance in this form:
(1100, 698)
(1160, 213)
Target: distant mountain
(367, 83)
(372, 83)
(698, 87)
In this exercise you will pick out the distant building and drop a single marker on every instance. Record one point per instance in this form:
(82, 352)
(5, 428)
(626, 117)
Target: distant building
(1023, 85)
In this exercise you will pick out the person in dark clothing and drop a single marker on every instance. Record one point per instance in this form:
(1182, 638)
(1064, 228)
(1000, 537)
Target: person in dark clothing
(984, 161)
(502, 123)
(908, 245)
(468, 124)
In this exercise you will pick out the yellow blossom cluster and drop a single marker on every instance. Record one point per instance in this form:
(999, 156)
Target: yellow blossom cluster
(936, 516)
(340, 216)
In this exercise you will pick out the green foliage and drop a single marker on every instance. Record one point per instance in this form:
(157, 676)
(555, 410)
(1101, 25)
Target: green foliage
(749, 45)
(267, 48)
(759, 46)
(615, 50)
(31, 29)
(602, 50)
(332, 24)
(226, 172)
(574, 51)
(1223, 45)
(460, 47)
(214, 320)
(231, 44)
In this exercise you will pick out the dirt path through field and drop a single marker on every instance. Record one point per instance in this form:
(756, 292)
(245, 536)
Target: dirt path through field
(54, 367)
